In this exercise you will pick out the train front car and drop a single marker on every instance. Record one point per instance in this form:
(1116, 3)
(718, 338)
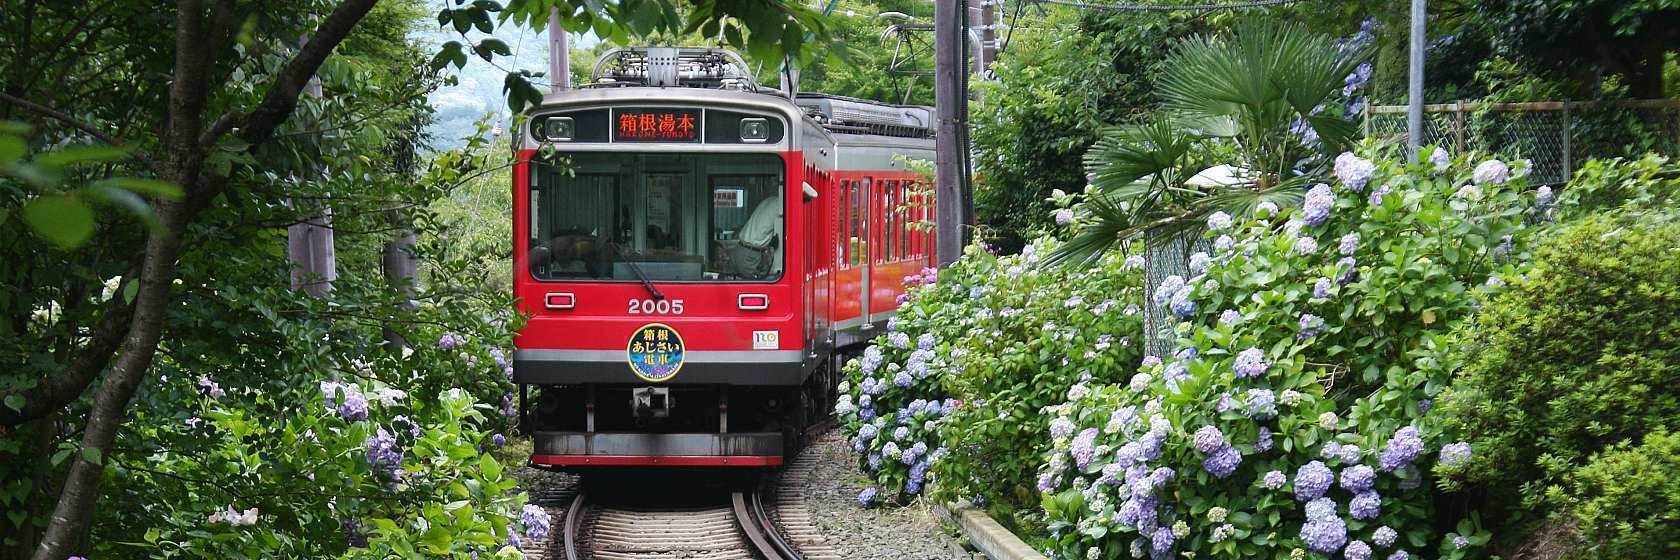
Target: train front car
(659, 221)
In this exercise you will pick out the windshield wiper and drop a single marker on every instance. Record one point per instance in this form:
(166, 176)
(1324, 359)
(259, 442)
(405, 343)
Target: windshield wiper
(637, 270)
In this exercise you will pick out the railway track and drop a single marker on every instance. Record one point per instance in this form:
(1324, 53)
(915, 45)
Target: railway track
(734, 528)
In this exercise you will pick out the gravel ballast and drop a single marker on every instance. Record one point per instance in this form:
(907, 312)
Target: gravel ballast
(909, 532)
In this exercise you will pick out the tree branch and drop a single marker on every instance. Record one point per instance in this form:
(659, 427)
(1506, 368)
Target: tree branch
(282, 97)
(58, 390)
(60, 116)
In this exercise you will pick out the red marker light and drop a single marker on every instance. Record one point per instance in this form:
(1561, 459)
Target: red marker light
(560, 301)
(753, 301)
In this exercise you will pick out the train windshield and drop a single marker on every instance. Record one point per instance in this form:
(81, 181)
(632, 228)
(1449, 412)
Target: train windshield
(657, 216)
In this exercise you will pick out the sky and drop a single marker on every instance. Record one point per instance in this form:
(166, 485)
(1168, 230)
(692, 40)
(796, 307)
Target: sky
(478, 91)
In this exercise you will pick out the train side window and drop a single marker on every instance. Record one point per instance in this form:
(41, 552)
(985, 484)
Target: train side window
(855, 242)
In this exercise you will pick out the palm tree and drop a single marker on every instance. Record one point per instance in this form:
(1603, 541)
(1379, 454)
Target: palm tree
(1254, 100)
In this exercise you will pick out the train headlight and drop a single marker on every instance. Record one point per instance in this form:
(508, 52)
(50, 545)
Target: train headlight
(559, 128)
(755, 130)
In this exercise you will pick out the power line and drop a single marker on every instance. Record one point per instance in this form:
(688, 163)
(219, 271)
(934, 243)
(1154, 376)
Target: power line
(1160, 8)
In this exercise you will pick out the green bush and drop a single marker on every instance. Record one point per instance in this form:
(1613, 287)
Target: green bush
(1626, 500)
(1581, 354)
(970, 361)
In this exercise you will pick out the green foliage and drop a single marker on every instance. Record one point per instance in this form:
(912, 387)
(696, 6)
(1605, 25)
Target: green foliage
(1649, 182)
(1626, 500)
(1299, 342)
(1588, 40)
(1004, 338)
(1263, 90)
(61, 189)
(1575, 357)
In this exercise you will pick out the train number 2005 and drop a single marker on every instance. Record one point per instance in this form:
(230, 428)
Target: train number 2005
(651, 307)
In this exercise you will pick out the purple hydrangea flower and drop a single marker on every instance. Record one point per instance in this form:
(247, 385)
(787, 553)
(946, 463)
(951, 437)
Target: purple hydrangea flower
(1263, 443)
(210, 388)
(1310, 325)
(1084, 447)
(902, 379)
(449, 341)
(1358, 478)
(1222, 462)
(1424, 406)
(1491, 171)
(1400, 555)
(352, 405)
(1439, 159)
(1326, 536)
(1182, 304)
(1274, 480)
(1229, 317)
(1349, 244)
(866, 498)
(1209, 439)
(1223, 243)
(1384, 536)
(1401, 450)
(1350, 270)
(1378, 193)
(1460, 542)
(1250, 363)
(1061, 427)
(1455, 454)
(1321, 288)
(499, 440)
(1064, 216)
(1150, 361)
(1199, 262)
(1366, 505)
(1544, 197)
(383, 455)
(535, 520)
(1350, 453)
(1262, 404)
(1354, 171)
(1316, 208)
(1358, 550)
(1161, 543)
(1312, 480)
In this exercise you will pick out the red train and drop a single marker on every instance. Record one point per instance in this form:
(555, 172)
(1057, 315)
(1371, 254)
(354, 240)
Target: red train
(695, 249)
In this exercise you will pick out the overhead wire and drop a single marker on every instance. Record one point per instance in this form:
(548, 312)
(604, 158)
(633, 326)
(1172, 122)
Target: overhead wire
(1168, 8)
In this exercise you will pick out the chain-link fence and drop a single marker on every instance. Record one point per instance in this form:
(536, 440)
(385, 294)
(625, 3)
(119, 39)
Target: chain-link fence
(1165, 253)
(1555, 135)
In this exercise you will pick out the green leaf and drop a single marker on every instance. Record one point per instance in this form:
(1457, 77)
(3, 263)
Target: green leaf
(92, 455)
(62, 219)
(126, 200)
(87, 153)
(129, 291)
(153, 187)
(15, 402)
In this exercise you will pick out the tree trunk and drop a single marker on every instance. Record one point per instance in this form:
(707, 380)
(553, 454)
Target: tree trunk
(400, 267)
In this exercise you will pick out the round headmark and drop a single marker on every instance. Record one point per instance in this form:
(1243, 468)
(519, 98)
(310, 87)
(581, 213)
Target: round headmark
(655, 352)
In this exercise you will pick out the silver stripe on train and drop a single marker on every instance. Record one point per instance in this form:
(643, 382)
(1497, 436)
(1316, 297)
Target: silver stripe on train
(691, 356)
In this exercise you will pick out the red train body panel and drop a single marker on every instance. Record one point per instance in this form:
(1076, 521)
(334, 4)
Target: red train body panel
(676, 319)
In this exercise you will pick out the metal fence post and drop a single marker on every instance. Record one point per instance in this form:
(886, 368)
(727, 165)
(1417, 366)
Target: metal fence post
(1568, 144)
(1458, 125)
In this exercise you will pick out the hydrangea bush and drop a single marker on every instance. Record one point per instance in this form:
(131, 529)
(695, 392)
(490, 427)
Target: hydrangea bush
(1291, 419)
(955, 387)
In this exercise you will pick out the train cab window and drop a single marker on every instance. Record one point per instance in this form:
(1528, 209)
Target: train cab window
(599, 216)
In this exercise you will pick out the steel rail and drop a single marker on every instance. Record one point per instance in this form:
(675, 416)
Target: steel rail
(574, 518)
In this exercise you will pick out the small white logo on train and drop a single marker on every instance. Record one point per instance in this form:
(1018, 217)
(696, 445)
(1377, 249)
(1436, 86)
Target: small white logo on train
(767, 340)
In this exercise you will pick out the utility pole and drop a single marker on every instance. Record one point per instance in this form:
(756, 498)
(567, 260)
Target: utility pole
(950, 40)
(985, 12)
(309, 243)
(559, 54)
(1414, 89)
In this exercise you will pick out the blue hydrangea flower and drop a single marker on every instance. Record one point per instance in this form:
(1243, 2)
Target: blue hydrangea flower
(535, 520)
(902, 379)
(1354, 171)
(1401, 450)
(1439, 160)
(1455, 454)
(1350, 270)
(1325, 537)
(1306, 246)
(1209, 439)
(499, 440)
(1321, 509)
(1312, 480)
(1358, 478)
(1199, 262)
(1263, 442)
(1544, 197)
(1261, 403)
(1378, 193)
(899, 340)
(1350, 453)
(1223, 243)
(1250, 363)
(1229, 317)
(1265, 209)
(1274, 480)
(1061, 427)
(1222, 462)
(1218, 221)
(901, 434)
(1133, 262)
(1349, 244)
(871, 359)
(1170, 286)
(1181, 303)
(1358, 550)
(1187, 353)
(925, 342)
(1400, 555)
(1150, 361)
(1321, 288)
(1460, 542)
(354, 406)
(1366, 505)
(1316, 208)
(866, 498)
(1384, 536)
(1424, 406)
(1491, 171)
